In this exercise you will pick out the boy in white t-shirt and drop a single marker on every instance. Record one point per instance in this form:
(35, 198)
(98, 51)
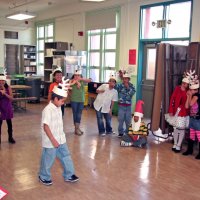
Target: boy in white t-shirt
(103, 105)
(53, 138)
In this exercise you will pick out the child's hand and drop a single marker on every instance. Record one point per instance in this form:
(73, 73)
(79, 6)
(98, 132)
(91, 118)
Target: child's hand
(189, 93)
(3, 92)
(55, 143)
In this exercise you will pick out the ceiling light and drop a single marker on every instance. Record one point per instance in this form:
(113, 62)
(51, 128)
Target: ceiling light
(94, 0)
(21, 16)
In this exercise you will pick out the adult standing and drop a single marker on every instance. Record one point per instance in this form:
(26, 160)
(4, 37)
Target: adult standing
(126, 90)
(77, 99)
(6, 110)
(103, 105)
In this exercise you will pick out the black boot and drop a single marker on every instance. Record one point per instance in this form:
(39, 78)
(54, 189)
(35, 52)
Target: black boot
(198, 155)
(10, 137)
(190, 148)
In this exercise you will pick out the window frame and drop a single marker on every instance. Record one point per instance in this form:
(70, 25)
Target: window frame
(164, 38)
(103, 33)
(45, 39)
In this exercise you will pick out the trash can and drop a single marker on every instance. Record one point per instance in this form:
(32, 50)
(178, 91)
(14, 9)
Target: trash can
(35, 90)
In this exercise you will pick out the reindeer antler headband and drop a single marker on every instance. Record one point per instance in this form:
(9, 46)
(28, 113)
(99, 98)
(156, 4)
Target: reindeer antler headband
(62, 89)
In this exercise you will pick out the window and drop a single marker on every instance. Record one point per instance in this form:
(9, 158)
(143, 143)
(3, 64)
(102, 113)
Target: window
(166, 21)
(45, 33)
(102, 53)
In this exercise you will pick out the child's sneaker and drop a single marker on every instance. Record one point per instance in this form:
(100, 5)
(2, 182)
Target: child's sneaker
(45, 182)
(72, 179)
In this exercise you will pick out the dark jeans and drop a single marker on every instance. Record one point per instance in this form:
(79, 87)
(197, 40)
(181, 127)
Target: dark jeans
(77, 108)
(100, 122)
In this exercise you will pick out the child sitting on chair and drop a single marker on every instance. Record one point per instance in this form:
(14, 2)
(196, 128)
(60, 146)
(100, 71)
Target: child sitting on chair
(137, 134)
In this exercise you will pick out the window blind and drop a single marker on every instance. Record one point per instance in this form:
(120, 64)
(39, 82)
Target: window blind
(101, 19)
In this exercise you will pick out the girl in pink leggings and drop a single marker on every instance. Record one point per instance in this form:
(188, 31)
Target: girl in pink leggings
(193, 102)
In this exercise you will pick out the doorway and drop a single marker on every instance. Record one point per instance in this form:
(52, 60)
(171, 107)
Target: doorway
(12, 59)
(148, 76)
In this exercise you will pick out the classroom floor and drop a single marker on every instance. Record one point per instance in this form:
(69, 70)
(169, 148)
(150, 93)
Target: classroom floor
(106, 170)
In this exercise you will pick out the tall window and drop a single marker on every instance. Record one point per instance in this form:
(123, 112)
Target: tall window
(102, 51)
(45, 33)
(167, 20)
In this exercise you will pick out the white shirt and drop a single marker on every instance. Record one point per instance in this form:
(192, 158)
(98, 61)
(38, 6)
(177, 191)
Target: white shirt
(103, 100)
(52, 116)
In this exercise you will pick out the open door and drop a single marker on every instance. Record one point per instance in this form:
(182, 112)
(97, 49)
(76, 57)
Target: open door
(148, 77)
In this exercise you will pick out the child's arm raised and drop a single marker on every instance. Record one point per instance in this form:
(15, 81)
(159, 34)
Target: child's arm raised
(50, 135)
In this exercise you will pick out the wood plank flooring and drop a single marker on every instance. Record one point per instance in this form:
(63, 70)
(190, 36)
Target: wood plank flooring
(106, 170)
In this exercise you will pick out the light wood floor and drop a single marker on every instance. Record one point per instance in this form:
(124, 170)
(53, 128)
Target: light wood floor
(106, 170)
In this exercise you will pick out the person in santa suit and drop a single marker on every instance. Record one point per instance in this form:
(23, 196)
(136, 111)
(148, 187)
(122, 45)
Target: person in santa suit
(137, 134)
(177, 115)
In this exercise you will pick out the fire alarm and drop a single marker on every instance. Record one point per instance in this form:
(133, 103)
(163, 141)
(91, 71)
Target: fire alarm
(80, 33)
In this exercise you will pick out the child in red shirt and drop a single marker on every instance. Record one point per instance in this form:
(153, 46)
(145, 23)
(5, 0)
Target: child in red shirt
(178, 114)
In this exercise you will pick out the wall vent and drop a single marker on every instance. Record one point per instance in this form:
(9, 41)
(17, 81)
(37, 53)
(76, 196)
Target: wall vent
(10, 35)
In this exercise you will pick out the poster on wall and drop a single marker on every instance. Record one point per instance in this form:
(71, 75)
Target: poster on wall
(132, 56)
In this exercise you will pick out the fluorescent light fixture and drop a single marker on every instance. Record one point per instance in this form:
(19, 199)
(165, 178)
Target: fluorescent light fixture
(94, 0)
(21, 16)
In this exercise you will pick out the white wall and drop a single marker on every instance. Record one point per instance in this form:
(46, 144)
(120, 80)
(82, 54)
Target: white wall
(67, 28)
(25, 36)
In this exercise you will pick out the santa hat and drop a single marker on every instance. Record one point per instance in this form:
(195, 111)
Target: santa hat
(58, 69)
(138, 112)
(62, 88)
(139, 109)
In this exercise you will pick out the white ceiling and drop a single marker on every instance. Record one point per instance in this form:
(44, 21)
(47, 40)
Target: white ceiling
(39, 7)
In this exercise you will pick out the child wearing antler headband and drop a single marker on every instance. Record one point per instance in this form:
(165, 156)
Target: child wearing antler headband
(57, 78)
(53, 137)
(6, 110)
(177, 115)
(193, 103)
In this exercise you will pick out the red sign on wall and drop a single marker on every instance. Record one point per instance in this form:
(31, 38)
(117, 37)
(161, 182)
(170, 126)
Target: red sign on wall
(132, 56)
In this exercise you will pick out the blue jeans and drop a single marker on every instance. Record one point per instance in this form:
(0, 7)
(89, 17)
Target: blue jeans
(48, 158)
(124, 115)
(77, 108)
(100, 122)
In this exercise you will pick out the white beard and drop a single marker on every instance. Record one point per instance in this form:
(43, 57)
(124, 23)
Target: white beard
(136, 125)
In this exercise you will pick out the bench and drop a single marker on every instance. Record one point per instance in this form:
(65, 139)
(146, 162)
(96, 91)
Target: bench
(20, 102)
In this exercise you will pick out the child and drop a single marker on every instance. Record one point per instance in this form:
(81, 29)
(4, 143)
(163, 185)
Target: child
(53, 138)
(193, 102)
(6, 110)
(103, 105)
(178, 114)
(57, 78)
(137, 135)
